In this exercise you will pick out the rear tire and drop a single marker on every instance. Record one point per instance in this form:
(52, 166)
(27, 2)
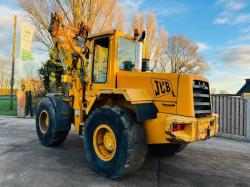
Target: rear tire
(165, 150)
(127, 152)
(46, 124)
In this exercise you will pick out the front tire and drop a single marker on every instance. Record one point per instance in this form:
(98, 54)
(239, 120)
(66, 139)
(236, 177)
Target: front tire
(47, 123)
(115, 142)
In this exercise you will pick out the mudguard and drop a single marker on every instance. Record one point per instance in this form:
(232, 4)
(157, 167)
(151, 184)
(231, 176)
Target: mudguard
(141, 101)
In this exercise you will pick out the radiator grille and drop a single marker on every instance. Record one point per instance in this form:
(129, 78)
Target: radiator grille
(202, 104)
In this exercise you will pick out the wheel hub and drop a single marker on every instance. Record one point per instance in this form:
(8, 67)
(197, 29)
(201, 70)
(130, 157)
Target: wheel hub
(104, 142)
(109, 141)
(44, 121)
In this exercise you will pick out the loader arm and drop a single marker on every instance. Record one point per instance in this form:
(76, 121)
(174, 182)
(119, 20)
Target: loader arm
(70, 43)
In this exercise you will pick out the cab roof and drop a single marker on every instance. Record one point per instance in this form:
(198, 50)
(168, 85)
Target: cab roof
(109, 33)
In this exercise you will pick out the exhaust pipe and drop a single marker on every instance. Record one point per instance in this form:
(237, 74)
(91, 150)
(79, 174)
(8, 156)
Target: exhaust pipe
(138, 59)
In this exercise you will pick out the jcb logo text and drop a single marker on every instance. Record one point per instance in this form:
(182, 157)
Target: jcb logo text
(161, 87)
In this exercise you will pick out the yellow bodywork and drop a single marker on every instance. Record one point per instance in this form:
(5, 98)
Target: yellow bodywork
(195, 128)
(175, 107)
(171, 93)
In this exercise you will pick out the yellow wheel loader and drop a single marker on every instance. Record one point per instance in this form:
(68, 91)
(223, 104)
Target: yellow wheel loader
(119, 106)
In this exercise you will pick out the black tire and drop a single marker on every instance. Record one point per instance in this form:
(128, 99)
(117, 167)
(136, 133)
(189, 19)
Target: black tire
(50, 136)
(165, 150)
(131, 146)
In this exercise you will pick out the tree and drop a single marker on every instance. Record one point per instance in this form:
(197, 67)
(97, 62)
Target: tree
(156, 40)
(97, 15)
(44, 74)
(182, 56)
(33, 84)
(5, 73)
(50, 73)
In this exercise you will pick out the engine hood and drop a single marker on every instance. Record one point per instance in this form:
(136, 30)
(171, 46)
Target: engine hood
(172, 93)
(160, 86)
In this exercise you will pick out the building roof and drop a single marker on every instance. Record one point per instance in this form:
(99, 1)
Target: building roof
(245, 88)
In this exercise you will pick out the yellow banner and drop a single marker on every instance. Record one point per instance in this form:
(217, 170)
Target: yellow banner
(27, 33)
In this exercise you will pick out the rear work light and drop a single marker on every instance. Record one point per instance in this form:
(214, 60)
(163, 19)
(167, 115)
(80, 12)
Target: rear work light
(178, 127)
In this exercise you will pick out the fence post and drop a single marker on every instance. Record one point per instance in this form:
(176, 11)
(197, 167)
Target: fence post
(248, 119)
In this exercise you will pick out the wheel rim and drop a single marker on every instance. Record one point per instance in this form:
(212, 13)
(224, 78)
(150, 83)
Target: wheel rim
(44, 121)
(104, 142)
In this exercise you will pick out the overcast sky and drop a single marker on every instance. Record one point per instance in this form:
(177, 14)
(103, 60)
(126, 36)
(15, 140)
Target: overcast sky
(220, 28)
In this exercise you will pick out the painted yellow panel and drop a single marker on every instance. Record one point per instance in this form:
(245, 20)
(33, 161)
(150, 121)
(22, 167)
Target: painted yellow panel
(159, 130)
(185, 104)
(155, 129)
(150, 82)
(66, 78)
(132, 95)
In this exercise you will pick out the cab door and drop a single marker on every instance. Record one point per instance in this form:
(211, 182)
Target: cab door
(101, 66)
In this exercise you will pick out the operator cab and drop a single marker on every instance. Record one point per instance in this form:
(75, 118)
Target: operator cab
(111, 52)
(126, 50)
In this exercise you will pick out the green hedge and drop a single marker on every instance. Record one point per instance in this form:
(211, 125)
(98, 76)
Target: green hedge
(5, 106)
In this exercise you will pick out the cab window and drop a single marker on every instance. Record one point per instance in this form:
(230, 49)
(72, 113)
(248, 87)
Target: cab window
(126, 54)
(100, 65)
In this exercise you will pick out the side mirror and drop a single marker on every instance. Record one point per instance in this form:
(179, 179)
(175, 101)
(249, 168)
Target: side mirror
(143, 36)
(87, 53)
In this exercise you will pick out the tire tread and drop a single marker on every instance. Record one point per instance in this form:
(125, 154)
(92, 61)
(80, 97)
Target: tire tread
(136, 140)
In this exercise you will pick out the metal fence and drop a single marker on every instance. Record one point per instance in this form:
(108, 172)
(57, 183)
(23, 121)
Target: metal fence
(233, 114)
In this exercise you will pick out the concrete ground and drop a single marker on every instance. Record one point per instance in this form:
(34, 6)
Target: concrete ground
(24, 162)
